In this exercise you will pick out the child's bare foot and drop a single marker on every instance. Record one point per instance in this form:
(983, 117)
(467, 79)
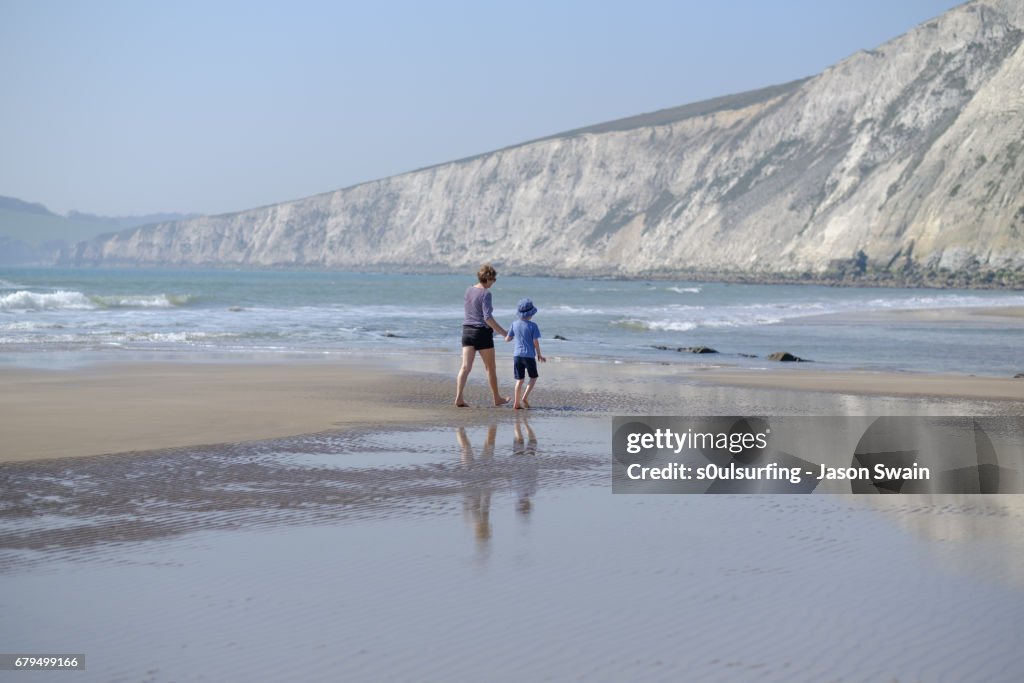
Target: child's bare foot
(502, 400)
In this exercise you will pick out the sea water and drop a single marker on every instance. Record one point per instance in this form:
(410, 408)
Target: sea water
(54, 317)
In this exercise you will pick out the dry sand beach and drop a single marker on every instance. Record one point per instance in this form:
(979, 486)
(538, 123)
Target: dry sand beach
(342, 521)
(120, 408)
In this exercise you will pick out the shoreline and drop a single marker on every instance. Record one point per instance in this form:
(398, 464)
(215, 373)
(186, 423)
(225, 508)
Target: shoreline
(872, 383)
(1002, 315)
(982, 280)
(132, 406)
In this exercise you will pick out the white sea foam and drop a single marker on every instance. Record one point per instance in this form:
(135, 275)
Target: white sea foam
(685, 290)
(942, 301)
(671, 325)
(685, 318)
(71, 300)
(165, 337)
(24, 300)
(578, 310)
(30, 326)
(345, 311)
(142, 301)
(687, 325)
(664, 325)
(48, 340)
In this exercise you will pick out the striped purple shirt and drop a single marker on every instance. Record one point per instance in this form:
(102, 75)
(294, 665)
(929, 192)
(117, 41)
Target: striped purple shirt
(478, 307)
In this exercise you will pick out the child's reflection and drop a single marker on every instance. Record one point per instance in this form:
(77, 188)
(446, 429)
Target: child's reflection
(525, 468)
(481, 475)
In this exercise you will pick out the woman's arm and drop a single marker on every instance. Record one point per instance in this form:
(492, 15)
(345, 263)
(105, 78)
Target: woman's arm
(487, 312)
(493, 324)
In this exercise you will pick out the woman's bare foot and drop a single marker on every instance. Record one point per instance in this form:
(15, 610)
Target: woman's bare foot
(526, 404)
(517, 407)
(502, 400)
(463, 404)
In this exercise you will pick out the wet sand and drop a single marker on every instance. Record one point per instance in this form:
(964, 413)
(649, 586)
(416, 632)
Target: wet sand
(874, 383)
(1013, 312)
(121, 408)
(491, 552)
(996, 315)
(342, 521)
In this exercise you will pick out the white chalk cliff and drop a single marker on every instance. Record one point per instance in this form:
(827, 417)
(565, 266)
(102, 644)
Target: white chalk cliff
(906, 157)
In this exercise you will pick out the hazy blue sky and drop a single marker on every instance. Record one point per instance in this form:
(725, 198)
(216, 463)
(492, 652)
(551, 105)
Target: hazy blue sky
(145, 106)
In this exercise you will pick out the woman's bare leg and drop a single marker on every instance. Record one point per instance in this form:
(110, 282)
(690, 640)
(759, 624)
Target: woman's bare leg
(468, 354)
(487, 356)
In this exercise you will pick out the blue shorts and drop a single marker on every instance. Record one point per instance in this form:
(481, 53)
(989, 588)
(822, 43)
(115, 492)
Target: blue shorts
(521, 365)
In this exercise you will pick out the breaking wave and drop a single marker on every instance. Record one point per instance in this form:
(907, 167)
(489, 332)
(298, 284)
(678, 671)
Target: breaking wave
(69, 300)
(54, 301)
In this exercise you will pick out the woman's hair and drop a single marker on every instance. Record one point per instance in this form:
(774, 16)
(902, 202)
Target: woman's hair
(486, 272)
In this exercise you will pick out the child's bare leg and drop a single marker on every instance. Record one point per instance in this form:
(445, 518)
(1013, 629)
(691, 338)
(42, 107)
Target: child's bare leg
(529, 388)
(518, 393)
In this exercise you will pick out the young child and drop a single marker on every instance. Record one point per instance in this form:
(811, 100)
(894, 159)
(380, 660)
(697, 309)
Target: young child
(527, 351)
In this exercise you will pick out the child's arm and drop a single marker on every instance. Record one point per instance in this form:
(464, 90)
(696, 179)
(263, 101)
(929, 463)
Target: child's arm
(540, 356)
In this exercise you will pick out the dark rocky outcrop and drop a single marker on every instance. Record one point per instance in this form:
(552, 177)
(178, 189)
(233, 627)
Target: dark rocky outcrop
(686, 349)
(786, 357)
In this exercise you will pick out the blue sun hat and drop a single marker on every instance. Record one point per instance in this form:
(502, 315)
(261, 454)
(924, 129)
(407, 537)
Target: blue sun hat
(525, 309)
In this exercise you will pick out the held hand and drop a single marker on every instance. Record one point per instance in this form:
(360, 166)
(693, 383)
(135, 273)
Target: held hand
(541, 358)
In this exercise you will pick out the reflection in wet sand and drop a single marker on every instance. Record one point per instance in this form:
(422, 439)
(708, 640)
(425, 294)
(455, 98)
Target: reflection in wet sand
(350, 553)
(970, 533)
(526, 479)
(484, 474)
(476, 500)
(85, 503)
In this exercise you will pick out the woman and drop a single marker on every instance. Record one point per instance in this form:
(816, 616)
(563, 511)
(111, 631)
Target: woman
(478, 328)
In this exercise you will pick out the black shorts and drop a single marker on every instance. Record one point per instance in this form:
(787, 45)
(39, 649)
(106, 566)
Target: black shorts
(478, 337)
(521, 366)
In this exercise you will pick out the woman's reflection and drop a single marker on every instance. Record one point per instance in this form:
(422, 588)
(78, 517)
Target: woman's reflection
(476, 501)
